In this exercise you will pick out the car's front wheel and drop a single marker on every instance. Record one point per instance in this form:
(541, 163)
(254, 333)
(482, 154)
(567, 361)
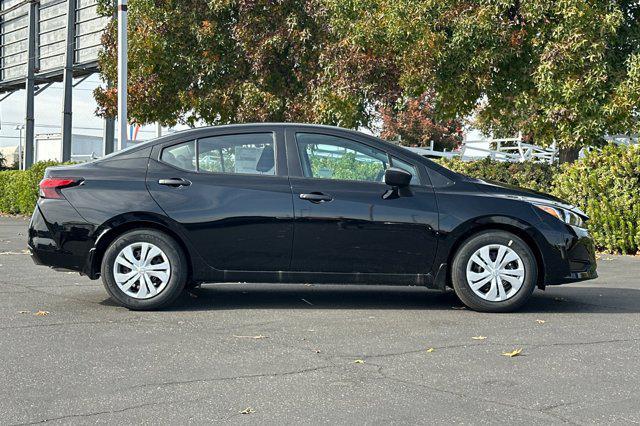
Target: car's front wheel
(494, 271)
(144, 269)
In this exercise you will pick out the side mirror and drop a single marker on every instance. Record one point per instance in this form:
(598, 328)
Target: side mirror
(396, 177)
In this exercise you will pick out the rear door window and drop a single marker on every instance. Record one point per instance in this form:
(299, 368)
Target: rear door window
(251, 153)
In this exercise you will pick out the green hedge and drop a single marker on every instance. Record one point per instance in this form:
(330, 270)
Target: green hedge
(536, 176)
(19, 189)
(605, 184)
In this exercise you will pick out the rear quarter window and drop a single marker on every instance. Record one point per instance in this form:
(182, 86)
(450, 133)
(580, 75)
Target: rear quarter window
(182, 155)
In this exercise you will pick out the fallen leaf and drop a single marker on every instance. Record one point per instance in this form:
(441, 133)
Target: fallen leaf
(539, 321)
(41, 313)
(513, 353)
(248, 410)
(479, 337)
(259, 336)
(430, 350)
(358, 361)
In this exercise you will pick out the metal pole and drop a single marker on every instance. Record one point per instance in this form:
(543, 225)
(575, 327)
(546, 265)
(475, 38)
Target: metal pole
(20, 148)
(30, 86)
(122, 73)
(158, 130)
(67, 81)
(107, 137)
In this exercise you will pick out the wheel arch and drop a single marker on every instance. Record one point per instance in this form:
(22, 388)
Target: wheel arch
(499, 223)
(117, 226)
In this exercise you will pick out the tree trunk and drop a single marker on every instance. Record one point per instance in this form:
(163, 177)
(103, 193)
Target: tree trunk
(568, 155)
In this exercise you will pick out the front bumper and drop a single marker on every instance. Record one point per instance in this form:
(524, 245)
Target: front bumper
(577, 258)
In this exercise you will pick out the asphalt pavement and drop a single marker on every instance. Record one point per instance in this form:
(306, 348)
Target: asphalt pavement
(279, 354)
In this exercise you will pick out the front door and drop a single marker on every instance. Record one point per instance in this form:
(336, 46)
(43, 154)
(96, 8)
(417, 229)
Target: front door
(345, 220)
(231, 194)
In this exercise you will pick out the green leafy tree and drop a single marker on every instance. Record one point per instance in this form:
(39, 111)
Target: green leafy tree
(565, 71)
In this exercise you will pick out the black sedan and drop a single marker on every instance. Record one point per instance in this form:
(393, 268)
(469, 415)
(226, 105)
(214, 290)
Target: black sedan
(274, 203)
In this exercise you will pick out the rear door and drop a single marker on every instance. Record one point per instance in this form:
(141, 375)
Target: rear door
(231, 193)
(346, 218)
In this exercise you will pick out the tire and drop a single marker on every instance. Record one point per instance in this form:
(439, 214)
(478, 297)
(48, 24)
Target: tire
(163, 271)
(518, 274)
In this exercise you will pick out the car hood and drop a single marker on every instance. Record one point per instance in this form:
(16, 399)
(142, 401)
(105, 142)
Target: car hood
(500, 189)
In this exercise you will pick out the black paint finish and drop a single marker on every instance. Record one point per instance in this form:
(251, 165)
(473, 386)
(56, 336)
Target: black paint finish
(285, 227)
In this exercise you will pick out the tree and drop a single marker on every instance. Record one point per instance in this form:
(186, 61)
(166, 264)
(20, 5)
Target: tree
(565, 71)
(413, 122)
(231, 61)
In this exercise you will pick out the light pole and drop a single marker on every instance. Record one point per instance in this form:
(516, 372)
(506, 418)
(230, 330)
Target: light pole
(20, 127)
(122, 73)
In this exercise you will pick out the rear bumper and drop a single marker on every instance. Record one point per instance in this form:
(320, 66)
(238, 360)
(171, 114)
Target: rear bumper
(62, 239)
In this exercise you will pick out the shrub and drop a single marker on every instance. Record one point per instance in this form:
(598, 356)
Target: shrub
(531, 175)
(19, 189)
(606, 185)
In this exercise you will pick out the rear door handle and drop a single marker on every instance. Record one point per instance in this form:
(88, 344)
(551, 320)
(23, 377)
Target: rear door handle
(316, 197)
(174, 182)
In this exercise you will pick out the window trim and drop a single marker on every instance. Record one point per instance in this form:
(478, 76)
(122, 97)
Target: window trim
(205, 172)
(389, 155)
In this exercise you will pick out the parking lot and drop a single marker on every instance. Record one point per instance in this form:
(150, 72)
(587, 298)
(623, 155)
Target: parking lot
(313, 353)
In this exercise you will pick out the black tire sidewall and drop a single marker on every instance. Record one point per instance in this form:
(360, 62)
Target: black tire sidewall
(469, 247)
(174, 254)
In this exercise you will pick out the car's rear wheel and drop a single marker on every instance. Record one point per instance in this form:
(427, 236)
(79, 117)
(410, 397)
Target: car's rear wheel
(144, 269)
(494, 271)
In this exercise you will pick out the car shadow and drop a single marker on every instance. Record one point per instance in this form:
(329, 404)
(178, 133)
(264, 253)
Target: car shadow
(565, 299)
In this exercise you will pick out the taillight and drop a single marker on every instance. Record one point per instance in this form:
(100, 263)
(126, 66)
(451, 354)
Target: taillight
(50, 187)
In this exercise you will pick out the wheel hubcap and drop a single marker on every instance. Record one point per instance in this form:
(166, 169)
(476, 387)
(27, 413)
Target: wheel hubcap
(495, 272)
(141, 270)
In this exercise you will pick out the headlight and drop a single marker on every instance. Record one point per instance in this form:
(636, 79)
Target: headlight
(567, 216)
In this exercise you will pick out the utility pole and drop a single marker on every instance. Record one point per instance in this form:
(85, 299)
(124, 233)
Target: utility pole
(30, 85)
(107, 135)
(122, 73)
(67, 81)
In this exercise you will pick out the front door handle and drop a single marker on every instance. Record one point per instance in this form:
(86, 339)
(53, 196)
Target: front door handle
(316, 197)
(174, 182)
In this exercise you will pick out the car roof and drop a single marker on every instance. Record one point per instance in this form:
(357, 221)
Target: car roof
(244, 126)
